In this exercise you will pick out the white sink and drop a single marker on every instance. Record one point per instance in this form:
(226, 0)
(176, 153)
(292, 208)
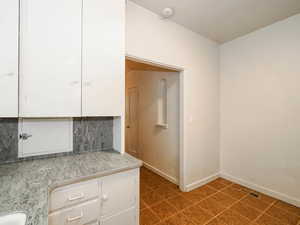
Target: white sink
(13, 219)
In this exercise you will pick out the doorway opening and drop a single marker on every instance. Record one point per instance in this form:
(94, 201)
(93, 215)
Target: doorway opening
(153, 117)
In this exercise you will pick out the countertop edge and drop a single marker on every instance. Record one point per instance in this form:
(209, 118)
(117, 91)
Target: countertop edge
(94, 176)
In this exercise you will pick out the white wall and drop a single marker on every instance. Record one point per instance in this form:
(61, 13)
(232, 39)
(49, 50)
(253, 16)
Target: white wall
(260, 108)
(152, 38)
(158, 147)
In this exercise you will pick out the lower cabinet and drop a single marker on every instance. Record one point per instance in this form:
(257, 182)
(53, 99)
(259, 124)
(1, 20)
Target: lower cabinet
(126, 218)
(118, 193)
(109, 200)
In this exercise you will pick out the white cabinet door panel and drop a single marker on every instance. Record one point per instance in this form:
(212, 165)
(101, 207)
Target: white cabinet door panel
(125, 218)
(9, 35)
(103, 69)
(119, 192)
(45, 136)
(50, 60)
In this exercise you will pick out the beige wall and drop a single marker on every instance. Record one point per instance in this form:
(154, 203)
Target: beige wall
(152, 38)
(260, 108)
(157, 147)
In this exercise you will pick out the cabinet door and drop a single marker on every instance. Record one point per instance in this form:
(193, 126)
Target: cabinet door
(9, 35)
(126, 218)
(119, 193)
(45, 136)
(50, 60)
(103, 58)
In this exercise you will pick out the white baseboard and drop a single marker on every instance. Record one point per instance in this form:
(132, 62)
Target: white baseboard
(159, 172)
(200, 183)
(261, 189)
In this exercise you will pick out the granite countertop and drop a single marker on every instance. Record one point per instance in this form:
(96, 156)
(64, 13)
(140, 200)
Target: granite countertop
(25, 186)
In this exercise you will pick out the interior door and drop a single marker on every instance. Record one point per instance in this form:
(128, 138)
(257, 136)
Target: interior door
(9, 28)
(50, 58)
(132, 122)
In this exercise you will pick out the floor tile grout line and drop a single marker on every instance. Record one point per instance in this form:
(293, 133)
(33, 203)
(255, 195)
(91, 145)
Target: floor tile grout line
(179, 211)
(176, 213)
(264, 212)
(287, 211)
(240, 200)
(226, 208)
(192, 205)
(273, 203)
(252, 207)
(195, 203)
(278, 218)
(160, 220)
(217, 191)
(230, 206)
(164, 199)
(160, 201)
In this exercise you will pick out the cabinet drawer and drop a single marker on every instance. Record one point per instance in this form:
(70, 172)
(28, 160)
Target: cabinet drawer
(84, 213)
(126, 218)
(73, 194)
(119, 193)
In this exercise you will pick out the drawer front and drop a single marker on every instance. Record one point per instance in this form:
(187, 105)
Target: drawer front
(82, 214)
(73, 194)
(126, 218)
(119, 192)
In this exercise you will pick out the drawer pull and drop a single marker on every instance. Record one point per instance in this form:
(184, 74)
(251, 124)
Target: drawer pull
(70, 219)
(73, 198)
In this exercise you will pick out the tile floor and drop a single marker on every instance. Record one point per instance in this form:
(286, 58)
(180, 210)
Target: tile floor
(220, 202)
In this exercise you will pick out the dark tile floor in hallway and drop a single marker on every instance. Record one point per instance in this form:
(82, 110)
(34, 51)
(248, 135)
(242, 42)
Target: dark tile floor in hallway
(220, 202)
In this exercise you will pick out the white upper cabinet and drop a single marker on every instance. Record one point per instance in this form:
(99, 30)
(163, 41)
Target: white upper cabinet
(50, 58)
(9, 35)
(103, 54)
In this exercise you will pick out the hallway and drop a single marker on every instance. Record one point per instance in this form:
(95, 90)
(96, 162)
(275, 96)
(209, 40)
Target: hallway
(220, 202)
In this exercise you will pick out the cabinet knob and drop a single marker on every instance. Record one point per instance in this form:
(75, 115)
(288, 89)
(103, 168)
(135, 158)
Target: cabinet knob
(25, 136)
(104, 197)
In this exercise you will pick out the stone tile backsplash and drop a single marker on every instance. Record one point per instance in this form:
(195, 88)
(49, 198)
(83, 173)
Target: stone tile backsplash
(92, 134)
(89, 135)
(8, 140)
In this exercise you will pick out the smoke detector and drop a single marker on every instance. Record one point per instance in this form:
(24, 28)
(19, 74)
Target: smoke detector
(167, 12)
